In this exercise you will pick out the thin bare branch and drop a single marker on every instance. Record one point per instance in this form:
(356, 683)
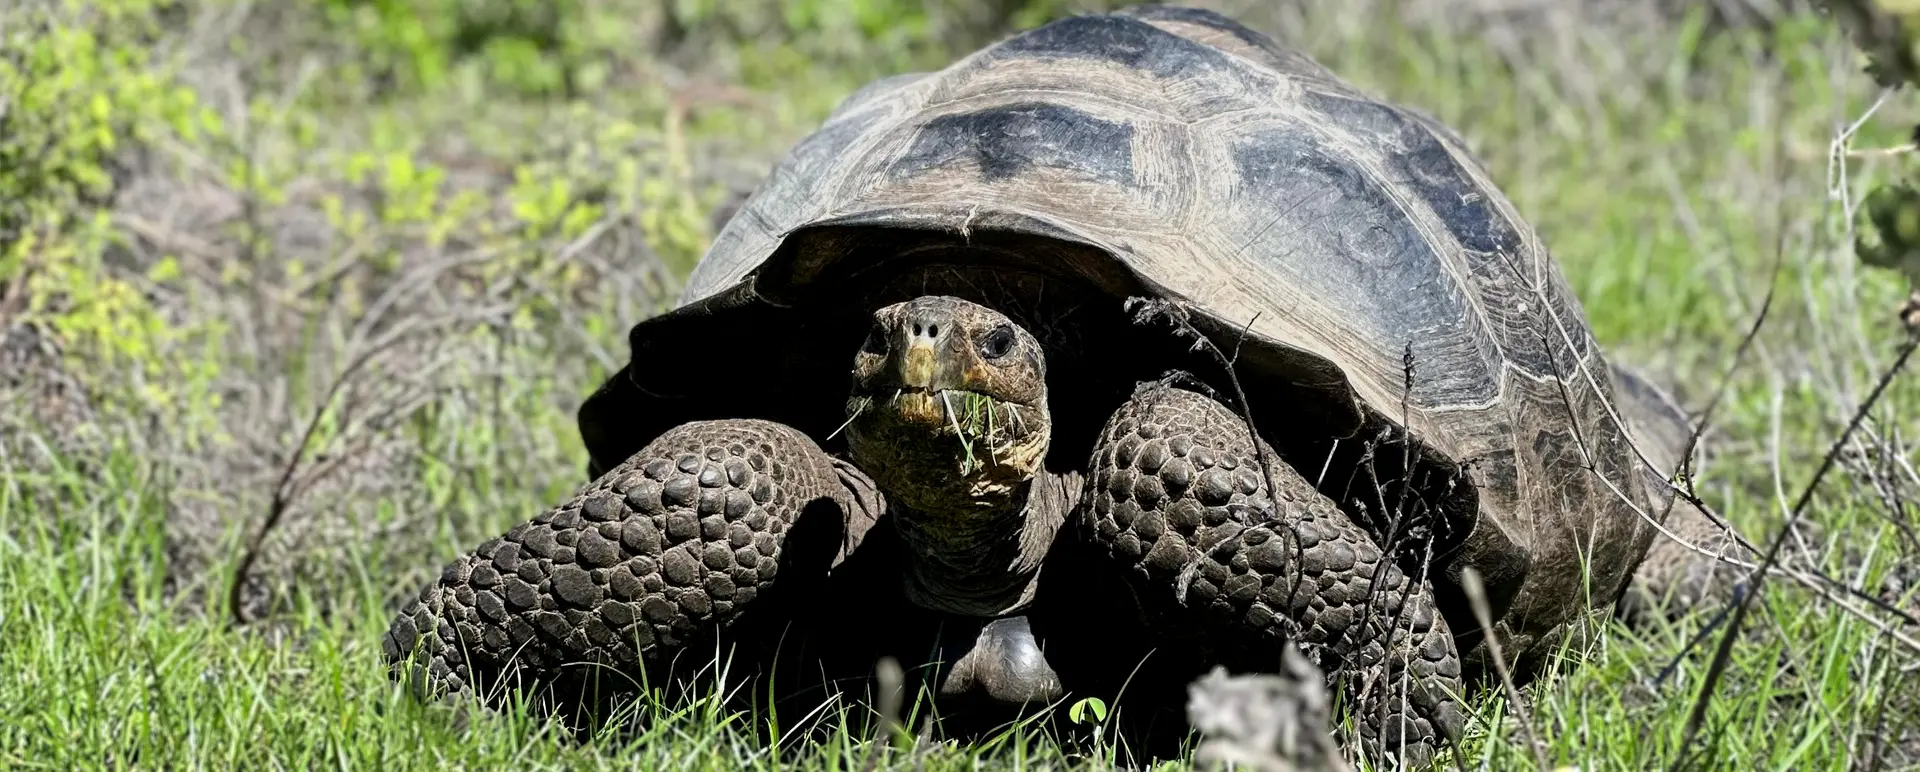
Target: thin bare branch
(1756, 582)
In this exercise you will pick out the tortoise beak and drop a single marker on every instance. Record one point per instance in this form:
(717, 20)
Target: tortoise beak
(919, 365)
(918, 370)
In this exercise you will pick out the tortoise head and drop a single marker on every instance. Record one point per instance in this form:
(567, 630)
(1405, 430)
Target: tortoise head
(948, 410)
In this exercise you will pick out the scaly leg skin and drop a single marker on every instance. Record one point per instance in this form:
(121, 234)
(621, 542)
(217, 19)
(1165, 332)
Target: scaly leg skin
(1174, 482)
(664, 549)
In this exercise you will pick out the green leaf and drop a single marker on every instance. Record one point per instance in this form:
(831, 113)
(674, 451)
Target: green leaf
(1078, 712)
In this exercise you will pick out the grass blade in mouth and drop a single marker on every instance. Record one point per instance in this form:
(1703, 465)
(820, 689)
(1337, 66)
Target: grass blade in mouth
(865, 402)
(966, 442)
(975, 420)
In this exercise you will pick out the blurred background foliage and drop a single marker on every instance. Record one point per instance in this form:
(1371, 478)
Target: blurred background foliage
(574, 46)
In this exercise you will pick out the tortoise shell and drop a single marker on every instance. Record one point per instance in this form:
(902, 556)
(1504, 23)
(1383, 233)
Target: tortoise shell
(1361, 250)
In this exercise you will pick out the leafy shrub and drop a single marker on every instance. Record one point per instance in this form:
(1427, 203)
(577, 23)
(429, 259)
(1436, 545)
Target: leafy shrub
(78, 88)
(568, 47)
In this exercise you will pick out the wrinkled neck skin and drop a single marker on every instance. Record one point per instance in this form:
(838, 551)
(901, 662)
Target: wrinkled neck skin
(975, 533)
(985, 561)
(976, 522)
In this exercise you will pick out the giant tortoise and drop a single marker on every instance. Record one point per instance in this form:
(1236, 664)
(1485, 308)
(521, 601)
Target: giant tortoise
(1074, 276)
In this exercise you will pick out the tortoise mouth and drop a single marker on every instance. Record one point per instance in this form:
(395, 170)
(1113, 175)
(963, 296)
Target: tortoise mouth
(945, 410)
(913, 405)
(963, 431)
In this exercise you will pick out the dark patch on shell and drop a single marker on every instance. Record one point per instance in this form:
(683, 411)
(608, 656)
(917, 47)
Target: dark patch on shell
(1009, 140)
(1425, 165)
(1201, 17)
(1128, 42)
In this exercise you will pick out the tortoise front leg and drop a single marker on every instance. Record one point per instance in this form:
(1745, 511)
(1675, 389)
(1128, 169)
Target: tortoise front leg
(1174, 482)
(663, 550)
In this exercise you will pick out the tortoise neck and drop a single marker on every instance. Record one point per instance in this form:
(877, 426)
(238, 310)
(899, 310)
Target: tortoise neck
(982, 562)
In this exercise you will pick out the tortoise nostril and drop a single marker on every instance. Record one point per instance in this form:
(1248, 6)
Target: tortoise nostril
(926, 328)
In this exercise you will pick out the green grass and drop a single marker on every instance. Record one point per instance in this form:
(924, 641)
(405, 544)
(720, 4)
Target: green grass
(358, 274)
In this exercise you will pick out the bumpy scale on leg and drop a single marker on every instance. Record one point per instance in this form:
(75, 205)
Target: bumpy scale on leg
(1175, 473)
(676, 540)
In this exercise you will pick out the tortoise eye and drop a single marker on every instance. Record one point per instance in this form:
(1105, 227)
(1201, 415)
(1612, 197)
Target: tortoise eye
(997, 343)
